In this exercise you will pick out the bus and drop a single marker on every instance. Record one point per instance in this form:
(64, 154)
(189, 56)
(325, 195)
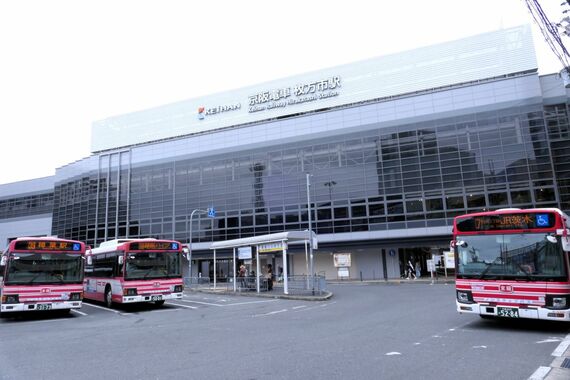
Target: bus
(42, 273)
(125, 271)
(513, 263)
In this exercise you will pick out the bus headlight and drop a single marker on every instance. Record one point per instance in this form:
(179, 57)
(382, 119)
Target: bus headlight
(464, 296)
(178, 288)
(10, 298)
(558, 301)
(130, 292)
(76, 296)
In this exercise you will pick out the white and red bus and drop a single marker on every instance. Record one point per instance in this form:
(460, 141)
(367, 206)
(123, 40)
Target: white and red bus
(42, 273)
(134, 270)
(513, 263)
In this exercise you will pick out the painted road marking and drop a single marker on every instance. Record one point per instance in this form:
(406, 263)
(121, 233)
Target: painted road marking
(562, 347)
(540, 373)
(270, 313)
(78, 312)
(102, 308)
(186, 306)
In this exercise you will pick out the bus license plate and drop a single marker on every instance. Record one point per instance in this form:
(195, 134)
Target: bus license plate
(156, 298)
(509, 312)
(43, 306)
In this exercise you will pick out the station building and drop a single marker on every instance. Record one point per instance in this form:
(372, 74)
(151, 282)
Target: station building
(395, 146)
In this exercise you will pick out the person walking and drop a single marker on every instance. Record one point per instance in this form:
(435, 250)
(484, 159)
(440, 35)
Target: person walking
(411, 270)
(418, 269)
(269, 277)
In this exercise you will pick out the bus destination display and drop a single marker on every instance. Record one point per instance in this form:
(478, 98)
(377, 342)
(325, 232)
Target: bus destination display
(46, 245)
(499, 222)
(153, 245)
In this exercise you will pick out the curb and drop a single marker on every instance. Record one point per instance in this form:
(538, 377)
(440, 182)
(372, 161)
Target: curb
(560, 367)
(324, 297)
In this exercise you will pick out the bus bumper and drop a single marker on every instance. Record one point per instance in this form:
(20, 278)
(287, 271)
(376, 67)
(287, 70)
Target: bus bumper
(513, 312)
(44, 306)
(152, 297)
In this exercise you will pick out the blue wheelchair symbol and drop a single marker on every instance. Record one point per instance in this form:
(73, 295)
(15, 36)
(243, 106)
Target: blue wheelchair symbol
(542, 220)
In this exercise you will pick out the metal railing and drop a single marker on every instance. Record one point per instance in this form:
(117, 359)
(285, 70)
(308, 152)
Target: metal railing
(297, 285)
(197, 282)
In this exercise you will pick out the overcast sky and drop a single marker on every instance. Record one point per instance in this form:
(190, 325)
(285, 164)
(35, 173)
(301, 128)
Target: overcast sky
(66, 64)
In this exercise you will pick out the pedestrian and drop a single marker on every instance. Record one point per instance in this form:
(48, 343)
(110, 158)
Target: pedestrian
(241, 275)
(411, 270)
(269, 277)
(418, 269)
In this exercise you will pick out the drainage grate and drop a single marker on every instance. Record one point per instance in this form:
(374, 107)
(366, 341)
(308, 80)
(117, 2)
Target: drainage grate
(566, 363)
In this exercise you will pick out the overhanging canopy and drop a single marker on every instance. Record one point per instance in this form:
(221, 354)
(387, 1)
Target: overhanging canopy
(290, 236)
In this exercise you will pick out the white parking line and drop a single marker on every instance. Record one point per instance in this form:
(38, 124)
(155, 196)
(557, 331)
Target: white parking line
(202, 303)
(78, 312)
(247, 303)
(299, 307)
(102, 308)
(186, 306)
(270, 313)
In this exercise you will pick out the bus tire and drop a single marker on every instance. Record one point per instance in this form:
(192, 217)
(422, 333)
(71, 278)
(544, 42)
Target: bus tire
(108, 297)
(159, 303)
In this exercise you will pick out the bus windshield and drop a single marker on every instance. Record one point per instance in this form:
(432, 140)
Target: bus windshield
(44, 268)
(146, 265)
(510, 256)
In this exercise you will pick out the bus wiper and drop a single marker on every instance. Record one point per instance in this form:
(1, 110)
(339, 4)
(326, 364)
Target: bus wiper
(33, 278)
(147, 273)
(489, 265)
(526, 272)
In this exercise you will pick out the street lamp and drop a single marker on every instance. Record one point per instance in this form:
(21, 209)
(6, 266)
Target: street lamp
(309, 209)
(330, 184)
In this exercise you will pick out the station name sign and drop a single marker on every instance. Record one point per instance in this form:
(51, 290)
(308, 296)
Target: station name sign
(301, 93)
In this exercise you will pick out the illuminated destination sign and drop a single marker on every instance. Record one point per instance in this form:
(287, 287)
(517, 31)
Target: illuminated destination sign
(47, 245)
(301, 93)
(499, 222)
(153, 245)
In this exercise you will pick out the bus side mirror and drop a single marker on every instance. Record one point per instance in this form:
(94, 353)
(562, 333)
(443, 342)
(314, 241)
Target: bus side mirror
(3, 261)
(121, 260)
(461, 243)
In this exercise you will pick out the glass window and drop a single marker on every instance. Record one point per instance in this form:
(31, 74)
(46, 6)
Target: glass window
(358, 211)
(522, 196)
(414, 206)
(498, 199)
(434, 204)
(340, 212)
(476, 200)
(454, 203)
(544, 195)
(376, 209)
(395, 208)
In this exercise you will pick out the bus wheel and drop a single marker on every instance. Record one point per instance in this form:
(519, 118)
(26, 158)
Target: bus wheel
(159, 303)
(108, 297)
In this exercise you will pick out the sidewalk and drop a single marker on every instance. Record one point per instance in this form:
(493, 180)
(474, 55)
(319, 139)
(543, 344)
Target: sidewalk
(560, 367)
(277, 292)
(397, 281)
